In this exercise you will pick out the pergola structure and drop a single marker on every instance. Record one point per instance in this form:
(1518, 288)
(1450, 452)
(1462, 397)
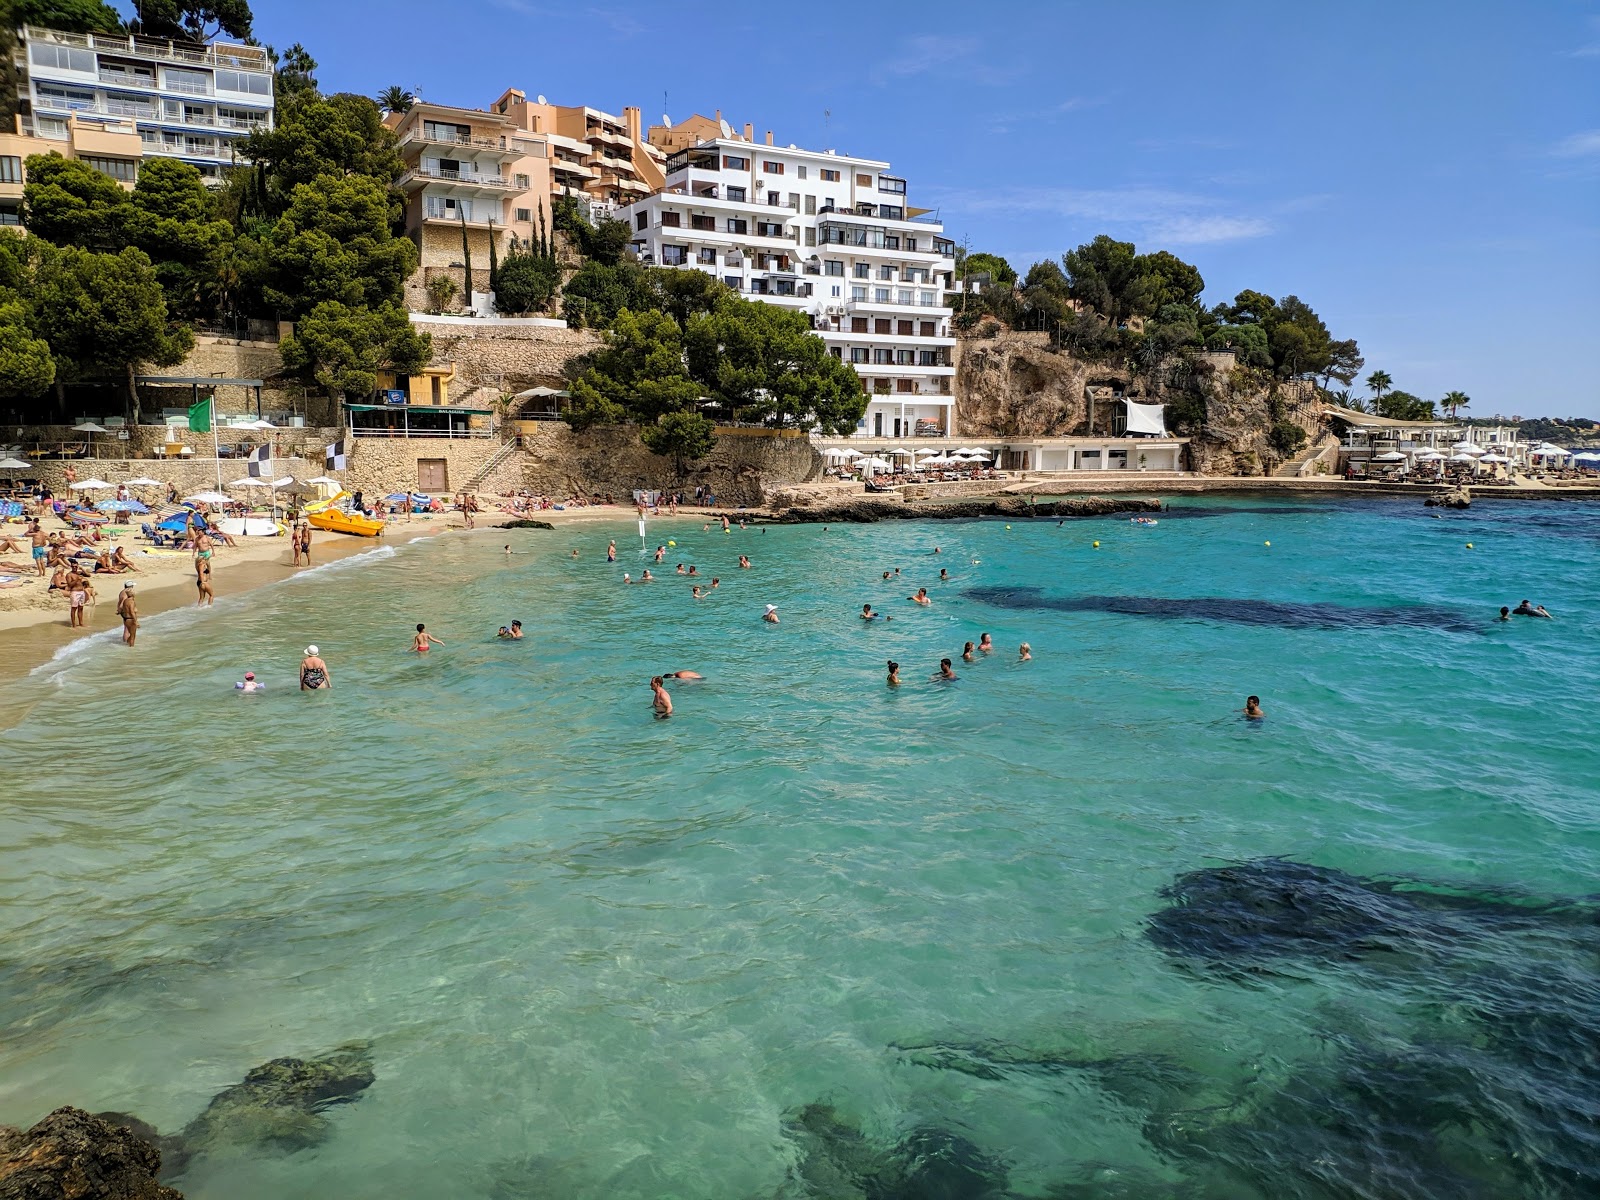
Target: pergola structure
(195, 382)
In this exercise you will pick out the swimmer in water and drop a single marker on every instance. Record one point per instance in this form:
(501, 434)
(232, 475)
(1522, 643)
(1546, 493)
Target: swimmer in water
(715, 582)
(771, 615)
(985, 643)
(921, 597)
(867, 614)
(1505, 614)
(661, 553)
(626, 578)
(697, 594)
(886, 574)
(1026, 654)
(508, 549)
(574, 554)
(660, 701)
(1252, 708)
(249, 683)
(686, 675)
(944, 575)
(936, 549)
(647, 577)
(516, 630)
(944, 670)
(611, 552)
(693, 570)
(1529, 609)
(502, 632)
(744, 562)
(680, 569)
(967, 654)
(423, 640)
(894, 673)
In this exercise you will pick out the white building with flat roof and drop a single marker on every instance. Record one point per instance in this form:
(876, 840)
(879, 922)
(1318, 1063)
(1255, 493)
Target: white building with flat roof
(185, 100)
(829, 236)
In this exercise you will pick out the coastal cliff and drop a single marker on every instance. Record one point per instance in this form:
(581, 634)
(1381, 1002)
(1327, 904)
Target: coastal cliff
(1016, 384)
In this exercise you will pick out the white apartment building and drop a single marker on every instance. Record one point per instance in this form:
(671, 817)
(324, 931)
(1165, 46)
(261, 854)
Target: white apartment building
(827, 235)
(185, 100)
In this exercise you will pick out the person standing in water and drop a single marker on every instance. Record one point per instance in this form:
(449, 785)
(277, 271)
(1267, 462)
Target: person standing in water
(314, 673)
(967, 654)
(985, 644)
(421, 642)
(894, 673)
(611, 552)
(128, 610)
(1026, 653)
(660, 701)
(921, 597)
(202, 581)
(1252, 708)
(945, 671)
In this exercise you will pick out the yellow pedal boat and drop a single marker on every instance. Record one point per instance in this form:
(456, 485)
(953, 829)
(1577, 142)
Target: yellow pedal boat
(325, 515)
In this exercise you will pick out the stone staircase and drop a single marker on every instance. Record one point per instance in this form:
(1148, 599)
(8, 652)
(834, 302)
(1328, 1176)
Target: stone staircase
(502, 472)
(1300, 465)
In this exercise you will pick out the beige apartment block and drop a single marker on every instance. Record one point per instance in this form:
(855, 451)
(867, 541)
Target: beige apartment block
(592, 153)
(112, 148)
(473, 174)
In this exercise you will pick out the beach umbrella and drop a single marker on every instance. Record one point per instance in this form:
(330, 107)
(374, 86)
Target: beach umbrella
(1430, 456)
(1468, 448)
(878, 464)
(1494, 458)
(1553, 452)
(209, 498)
(854, 453)
(141, 481)
(89, 485)
(980, 454)
(250, 481)
(1463, 458)
(256, 424)
(13, 464)
(130, 506)
(899, 452)
(1392, 456)
(1585, 456)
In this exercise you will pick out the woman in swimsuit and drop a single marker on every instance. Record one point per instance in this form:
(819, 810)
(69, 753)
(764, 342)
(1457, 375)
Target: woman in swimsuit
(314, 672)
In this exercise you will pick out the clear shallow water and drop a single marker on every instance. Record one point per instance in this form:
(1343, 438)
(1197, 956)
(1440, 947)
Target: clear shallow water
(598, 955)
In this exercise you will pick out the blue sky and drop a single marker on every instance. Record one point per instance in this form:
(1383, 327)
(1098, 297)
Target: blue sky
(1423, 173)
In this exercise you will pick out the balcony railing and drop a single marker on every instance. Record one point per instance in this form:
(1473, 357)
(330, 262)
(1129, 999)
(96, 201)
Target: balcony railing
(443, 175)
(127, 79)
(242, 58)
(188, 89)
(422, 135)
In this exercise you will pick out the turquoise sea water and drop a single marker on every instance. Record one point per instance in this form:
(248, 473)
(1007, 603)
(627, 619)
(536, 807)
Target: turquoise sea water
(598, 955)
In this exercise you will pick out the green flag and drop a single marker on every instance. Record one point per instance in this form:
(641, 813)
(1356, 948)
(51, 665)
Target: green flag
(200, 417)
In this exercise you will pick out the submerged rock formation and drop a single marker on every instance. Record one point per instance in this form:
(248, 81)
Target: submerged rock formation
(280, 1103)
(1457, 497)
(866, 510)
(72, 1155)
(840, 1162)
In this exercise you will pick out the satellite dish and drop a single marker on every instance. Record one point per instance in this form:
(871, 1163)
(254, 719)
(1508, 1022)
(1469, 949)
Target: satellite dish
(666, 120)
(542, 100)
(727, 130)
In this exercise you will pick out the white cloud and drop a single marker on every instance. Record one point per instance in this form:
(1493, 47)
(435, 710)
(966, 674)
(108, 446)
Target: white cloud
(1590, 49)
(1579, 145)
(927, 53)
(1154, 214)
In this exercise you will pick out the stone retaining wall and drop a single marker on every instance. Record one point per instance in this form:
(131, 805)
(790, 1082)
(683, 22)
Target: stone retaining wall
(506, 358)
(383, 465)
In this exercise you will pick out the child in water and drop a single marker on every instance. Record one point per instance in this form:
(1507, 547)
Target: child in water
(423, 640)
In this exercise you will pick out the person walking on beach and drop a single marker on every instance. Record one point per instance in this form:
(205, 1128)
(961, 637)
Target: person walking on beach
(314, 673)
(660, 701)
(202, 582)
(421, 642)
(128, 610)
(305, 541)
(41, 547)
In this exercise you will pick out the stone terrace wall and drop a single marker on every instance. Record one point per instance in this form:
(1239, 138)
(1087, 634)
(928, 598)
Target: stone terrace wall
(189, 476)
(508, 358)
(232, 359)
(742, 467)
(383, 465)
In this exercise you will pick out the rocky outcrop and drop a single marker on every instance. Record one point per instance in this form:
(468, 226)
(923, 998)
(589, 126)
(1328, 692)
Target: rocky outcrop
(1013, 384)
(279, 1104)
(1458, 497)
(866, 511)
(72, 1155)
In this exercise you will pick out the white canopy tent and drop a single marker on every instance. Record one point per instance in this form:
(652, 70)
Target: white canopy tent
(1149, 419)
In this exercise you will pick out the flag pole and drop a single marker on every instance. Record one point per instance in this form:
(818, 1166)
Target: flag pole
(216, 448)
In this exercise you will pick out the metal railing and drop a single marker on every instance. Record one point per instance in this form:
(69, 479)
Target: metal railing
(243, 58)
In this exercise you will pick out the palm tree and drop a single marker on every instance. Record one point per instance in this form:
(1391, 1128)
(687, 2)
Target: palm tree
(1380, 382)
(395, 99)
(1455, 400)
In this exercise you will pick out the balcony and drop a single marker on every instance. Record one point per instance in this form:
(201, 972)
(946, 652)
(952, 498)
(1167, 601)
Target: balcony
(222, 54)
(420, 135)
(127, 79)
(468, 180)
(184, 87)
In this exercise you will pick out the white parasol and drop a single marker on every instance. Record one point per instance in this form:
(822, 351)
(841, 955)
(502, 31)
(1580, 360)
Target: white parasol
(141, 481)
(209, 498)
(89, 485)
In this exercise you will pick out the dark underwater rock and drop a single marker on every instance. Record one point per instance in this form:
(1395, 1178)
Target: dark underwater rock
(72, 1155)
(1281, 614)
(1455, 498)
(1274, 907)
(280, 1103)
(523, 523)
(839, 1162)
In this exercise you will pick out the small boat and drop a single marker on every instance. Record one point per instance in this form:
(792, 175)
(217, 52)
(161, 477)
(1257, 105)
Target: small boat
(323, 515)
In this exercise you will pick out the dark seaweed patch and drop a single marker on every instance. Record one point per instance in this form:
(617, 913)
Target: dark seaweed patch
(1281, 614)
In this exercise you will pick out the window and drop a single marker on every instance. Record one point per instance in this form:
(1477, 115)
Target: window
(735, 162)
(674, 256)
(58, 97)
(829, 175)
(522, 181)
(858, 325)
(858, 354)
(891, 241)
(801, 170)
(669, 220)
(903, 296)
(883, 358)
(738, 225)
(245, 83)
(880, 385)
(697, 221)
(880, 295)
(904, 358)
(889, 183)
(928, 329)
(891, 212)
(833, 266)
(904, 385)
(857, 293)
(771, 229)
(836, 289)
(736, 194)
(837, 351)
(928, 358)
(926, 299)
(811, 206)
(794, 201)
(864, 181)
(707, 256)
(10, 168)
(193, 83)
(642, 221)
(772, 168)
(885, 272)
(904, 329)
(10, 216)
(775, 199)
(881, 325)
(63, 58)
(811, 237)
(120, 169)
(524, 214)
(862, 270)
(733, 281)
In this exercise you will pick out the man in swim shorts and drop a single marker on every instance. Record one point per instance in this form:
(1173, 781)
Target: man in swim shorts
(41, 547)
